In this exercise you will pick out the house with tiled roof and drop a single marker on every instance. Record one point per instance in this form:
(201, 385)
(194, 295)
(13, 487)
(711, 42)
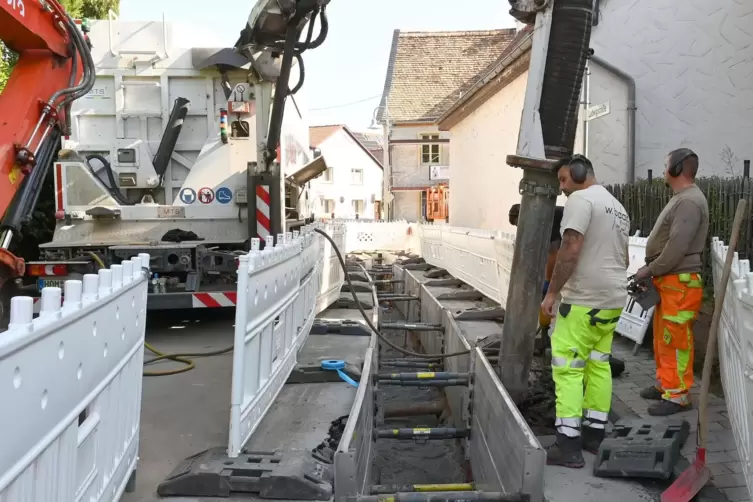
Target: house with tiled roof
(427, 72)
(352, 184)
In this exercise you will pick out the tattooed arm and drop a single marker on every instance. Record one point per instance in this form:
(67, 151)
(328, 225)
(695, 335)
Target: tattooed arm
(567, 259)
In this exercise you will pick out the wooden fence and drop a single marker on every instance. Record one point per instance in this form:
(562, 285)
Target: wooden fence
(644, 201)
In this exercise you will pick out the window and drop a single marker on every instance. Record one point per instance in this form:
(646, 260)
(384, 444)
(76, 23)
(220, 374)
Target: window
(357, 176)
(327, 175)
(358, 206)
(329, 206)
(430, 151)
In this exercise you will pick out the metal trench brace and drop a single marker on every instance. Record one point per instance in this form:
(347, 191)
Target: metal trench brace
(428, 373)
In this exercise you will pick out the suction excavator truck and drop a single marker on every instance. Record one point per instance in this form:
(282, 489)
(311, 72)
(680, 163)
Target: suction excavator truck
(185, 153)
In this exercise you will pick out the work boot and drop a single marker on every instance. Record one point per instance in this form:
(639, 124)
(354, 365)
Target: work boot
(665, 408)
(565, 452)
(591, 439)
(651, 393)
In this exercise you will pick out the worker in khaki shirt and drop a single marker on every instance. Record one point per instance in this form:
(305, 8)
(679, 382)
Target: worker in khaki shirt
(673, 258)
(591, 275)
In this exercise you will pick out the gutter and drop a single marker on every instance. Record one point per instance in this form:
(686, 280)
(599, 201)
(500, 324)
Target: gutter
(630, 82)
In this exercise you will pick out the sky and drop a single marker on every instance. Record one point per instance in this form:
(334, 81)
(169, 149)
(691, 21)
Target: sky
(345, 75)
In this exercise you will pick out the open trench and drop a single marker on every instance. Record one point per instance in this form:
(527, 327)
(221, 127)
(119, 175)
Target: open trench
(403, 462)
(410, 462)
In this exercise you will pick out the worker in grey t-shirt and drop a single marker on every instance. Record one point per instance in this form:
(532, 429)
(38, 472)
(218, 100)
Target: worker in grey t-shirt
(591, 275)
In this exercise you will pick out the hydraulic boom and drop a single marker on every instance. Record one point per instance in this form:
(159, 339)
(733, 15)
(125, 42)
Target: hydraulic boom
(54, 68)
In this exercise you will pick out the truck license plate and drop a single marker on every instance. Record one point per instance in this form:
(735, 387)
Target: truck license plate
(50, 283)
(171, 212)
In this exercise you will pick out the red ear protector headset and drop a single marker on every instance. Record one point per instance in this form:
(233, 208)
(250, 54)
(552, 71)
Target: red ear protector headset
(579, 166)
(683, 153)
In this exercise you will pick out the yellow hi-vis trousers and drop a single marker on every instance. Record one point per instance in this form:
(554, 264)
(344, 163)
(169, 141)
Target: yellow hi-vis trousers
(581, 344)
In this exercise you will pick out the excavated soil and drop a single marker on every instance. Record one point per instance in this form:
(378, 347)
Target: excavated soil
(409, 462)
(538, 408)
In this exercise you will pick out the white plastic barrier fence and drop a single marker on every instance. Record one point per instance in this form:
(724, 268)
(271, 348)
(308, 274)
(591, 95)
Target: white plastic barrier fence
(333, 275)
(277, 299)
(481, 258)
(378, 235)
(736, 352)
(70, 384)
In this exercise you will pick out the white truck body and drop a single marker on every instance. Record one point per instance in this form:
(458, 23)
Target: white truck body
(141, 70)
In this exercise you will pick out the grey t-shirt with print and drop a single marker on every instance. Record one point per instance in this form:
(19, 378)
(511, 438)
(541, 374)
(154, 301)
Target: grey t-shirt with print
(600, 277)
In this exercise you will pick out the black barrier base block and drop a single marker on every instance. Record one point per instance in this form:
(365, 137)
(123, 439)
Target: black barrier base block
(337, 327)
(268, 475)
(641, 449)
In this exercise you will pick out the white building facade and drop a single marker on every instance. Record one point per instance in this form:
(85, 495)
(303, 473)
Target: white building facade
(352, 184)
(690, 64)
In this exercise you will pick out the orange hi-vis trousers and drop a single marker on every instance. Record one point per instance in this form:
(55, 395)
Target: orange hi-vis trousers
(681, 298)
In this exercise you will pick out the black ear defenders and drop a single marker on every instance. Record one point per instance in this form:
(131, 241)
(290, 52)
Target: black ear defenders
(683, 154)
(579, 166)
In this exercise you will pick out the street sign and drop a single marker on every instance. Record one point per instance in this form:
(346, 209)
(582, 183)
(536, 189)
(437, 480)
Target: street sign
(596, 111)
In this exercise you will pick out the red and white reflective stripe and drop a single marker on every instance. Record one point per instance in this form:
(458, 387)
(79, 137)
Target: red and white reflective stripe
(37, 305)
(263, 201)
(59, 184)
(213, 300)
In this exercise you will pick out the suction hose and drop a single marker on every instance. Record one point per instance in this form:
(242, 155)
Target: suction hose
(161, 356)
(368, 320)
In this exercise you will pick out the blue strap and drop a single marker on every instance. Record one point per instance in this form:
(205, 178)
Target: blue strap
(335, 365)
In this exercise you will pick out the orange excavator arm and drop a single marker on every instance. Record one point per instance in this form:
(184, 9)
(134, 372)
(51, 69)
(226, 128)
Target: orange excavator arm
(54, 68)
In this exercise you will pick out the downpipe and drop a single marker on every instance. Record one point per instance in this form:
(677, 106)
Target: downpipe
(631, 108)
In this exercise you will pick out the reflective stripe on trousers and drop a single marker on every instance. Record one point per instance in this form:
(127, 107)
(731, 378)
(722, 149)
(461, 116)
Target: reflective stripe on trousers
(681, 299)
(581, 344)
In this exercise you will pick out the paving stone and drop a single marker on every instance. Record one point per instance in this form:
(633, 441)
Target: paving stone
(715, 446)
(628, 395)
(724, 422)
(719, 468)
(735, 467)
(716, 401)
(729, 480)
(734, 455)
(719, 456)
(715, 417)
(737, 494)
(716, 426)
